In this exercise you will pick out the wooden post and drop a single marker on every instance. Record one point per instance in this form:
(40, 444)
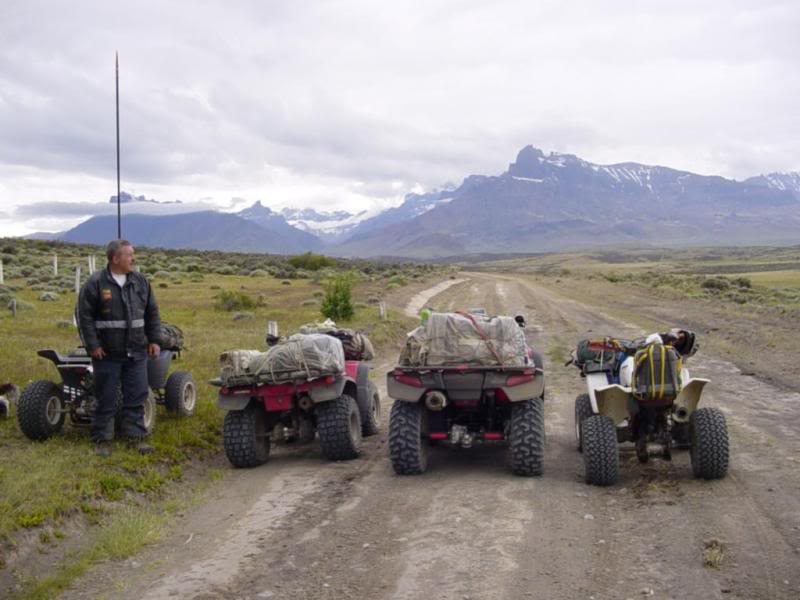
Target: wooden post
(382, 310)
(2, 281)
(55, 264)
(89, 263)
(13, 307)
(78, 279)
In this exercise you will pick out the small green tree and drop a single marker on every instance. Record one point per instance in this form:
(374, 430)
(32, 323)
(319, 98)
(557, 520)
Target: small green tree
(337, 304)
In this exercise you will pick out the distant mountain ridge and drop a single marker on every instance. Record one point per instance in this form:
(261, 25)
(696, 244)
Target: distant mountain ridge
(204, 230)
(559, 201)
(542, 202)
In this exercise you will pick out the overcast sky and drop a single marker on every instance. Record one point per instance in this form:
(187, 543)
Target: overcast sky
(352, 104)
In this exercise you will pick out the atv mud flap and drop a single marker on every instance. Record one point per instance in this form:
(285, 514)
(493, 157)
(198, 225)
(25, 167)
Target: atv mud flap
(612, 401)
(235, 401)
(688, 399)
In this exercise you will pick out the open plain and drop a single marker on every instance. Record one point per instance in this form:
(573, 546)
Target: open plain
(301, 527)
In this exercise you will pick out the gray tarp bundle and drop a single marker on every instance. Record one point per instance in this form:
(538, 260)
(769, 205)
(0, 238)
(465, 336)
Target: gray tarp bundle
(356, 344)
(461, 338)
(302, 356)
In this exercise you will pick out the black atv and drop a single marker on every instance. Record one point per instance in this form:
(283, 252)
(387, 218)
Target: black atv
(43, 404)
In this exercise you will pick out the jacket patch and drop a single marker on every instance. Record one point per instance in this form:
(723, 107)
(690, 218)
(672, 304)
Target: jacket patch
(105, 294)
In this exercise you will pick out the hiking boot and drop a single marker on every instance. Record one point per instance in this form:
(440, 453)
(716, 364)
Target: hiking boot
(102, 449)
(140, 446)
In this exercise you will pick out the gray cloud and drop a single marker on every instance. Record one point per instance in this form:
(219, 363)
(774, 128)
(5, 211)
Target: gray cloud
(355, 102)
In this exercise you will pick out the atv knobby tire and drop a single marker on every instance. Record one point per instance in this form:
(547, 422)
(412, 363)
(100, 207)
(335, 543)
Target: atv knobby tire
(150, 410)
(583, 410)
(40, 410)
(709, 438)
(369, 406)
(526, 437)
(339, 428)
(600, 452)
(180, 394)
(407, 450)
(246, 437)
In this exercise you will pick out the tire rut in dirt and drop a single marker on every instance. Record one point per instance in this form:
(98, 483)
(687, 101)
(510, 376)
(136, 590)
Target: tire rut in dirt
(526, 443)
(36, 410)
(709, 450)
(246, 436)
(583, 410)
(407, 450)
(339, 428)
(600, 451)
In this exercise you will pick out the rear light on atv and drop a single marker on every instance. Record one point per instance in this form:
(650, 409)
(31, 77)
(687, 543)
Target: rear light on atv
(406, 379)
(513, 380)
(493, 435)
(438, 435)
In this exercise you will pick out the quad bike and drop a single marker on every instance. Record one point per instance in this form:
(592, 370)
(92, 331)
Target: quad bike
(8, 396)
(339, 408)
(467, 404)
(43, 404)
(618, 407)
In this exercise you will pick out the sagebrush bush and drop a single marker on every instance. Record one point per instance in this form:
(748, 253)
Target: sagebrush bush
(232, 300)
(311, 262)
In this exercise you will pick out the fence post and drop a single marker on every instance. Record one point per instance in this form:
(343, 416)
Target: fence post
(55, 264)
(1, 272)
(13, 307)
(77, 279)
(382, 310)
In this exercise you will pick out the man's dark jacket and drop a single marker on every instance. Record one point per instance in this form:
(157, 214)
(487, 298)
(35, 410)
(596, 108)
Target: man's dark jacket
(120, 320)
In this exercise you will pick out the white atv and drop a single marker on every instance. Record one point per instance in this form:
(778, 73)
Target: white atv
(640, 391)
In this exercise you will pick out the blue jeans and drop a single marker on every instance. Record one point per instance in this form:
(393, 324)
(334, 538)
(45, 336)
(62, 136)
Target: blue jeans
(111, 374)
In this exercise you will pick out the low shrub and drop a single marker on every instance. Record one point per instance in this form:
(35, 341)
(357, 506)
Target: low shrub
(231, 300)
(337, 303)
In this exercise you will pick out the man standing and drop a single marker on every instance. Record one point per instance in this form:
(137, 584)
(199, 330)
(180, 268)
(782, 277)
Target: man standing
(119, 325)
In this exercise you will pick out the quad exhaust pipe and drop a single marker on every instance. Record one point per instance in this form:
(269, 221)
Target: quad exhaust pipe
(435, 400)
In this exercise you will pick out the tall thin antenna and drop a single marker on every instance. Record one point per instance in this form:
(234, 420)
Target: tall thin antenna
(119, 199)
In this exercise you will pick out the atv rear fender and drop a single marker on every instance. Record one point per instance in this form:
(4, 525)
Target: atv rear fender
(688, 399)
(612, 400)
(465, 383)
(279, 396)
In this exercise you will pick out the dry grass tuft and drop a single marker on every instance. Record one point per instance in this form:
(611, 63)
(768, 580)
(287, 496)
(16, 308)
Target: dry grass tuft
(713, 553)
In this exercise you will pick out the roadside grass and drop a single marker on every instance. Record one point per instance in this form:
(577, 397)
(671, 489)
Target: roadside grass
(118, 537)
(45, 484)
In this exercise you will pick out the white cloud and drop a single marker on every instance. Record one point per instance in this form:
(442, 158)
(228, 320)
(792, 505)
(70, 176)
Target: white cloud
(329, 104)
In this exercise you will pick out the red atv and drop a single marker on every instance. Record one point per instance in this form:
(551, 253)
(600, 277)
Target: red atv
(340, 408)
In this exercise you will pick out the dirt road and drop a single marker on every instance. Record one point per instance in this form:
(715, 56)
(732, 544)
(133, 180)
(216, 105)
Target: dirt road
(300, 527)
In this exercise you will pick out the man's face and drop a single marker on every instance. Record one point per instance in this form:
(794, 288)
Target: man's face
(124, 261)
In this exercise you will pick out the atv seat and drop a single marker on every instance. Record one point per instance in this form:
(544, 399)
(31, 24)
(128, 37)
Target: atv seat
(64, 359)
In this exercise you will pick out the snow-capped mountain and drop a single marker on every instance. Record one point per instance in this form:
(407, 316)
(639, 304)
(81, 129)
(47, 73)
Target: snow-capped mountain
(557, 201)
(778, 181)
(331, 227)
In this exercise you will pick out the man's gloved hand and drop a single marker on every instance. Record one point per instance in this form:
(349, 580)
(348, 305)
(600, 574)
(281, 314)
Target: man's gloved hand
(98, 354)
(153, 349)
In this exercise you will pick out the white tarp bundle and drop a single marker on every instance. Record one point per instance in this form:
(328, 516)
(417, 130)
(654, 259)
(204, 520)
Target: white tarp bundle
(302, 356)
(462, 338)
